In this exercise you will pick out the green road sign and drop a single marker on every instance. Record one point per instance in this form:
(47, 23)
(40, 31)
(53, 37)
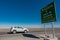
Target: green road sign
(48, 13)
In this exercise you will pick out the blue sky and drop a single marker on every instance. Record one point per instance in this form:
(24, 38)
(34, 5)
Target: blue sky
(24, 12)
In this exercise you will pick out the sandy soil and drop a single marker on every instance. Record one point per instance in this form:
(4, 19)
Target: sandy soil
(34, 34)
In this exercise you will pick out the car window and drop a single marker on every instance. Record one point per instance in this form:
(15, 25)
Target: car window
(15, 27)
(19, 27)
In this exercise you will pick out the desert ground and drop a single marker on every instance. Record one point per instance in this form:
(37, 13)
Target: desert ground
(33, 34)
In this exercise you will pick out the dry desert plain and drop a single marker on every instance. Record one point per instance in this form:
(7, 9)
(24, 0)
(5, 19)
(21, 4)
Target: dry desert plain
(33, 34)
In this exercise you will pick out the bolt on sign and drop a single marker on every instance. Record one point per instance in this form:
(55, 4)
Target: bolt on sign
(48, 13)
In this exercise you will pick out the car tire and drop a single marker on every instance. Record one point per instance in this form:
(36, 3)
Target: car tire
(25, 31)
(14, 31)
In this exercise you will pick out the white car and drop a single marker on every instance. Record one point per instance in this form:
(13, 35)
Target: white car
(18, 29)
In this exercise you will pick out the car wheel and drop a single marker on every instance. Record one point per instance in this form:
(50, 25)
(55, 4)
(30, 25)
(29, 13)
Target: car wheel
(25, 31)
(14, 32)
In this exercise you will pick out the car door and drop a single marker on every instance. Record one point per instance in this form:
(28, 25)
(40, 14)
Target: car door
(20, 29)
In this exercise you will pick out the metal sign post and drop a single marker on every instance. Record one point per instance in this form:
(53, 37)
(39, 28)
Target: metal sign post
(44, 29)
(53, 30)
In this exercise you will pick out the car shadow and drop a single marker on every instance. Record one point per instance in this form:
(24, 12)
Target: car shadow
(15, 33)
(30, 36)
(9, 33)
